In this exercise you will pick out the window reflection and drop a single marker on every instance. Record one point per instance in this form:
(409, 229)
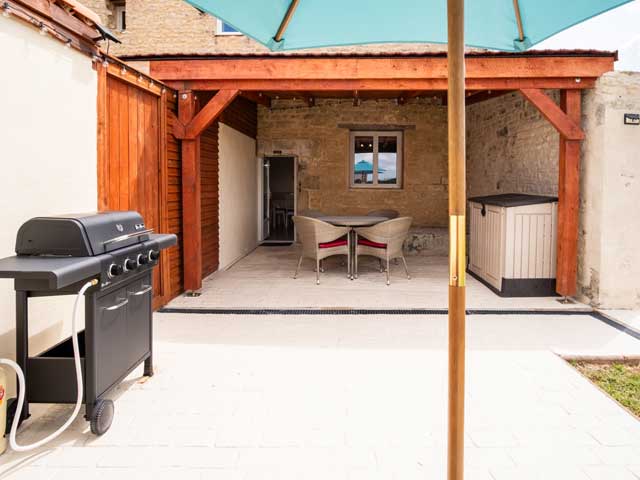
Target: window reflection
(363, 160)
(387, 159)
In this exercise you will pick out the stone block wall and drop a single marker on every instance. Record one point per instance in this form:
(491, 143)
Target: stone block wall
(156, 27)
(609, 265)
(315, 137)
(511, 147)
(160, 27)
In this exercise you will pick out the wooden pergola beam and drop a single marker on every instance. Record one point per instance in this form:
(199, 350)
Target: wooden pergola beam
(257, 97)
(575, 68)
(376, 84)
(563, 122)
(478, 97)
(305, 96)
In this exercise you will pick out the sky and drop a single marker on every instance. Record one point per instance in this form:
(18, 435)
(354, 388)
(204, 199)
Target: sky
(618, 29)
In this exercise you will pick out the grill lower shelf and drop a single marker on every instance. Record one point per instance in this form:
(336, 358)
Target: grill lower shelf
(52, 374)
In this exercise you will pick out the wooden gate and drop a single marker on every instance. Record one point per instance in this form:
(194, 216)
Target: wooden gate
(132, 164)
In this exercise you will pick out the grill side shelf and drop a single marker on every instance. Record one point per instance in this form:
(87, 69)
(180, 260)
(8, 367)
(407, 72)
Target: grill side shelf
(58, 272)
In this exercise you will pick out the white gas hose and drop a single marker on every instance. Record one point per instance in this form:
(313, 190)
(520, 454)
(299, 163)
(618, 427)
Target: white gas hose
(21, 383)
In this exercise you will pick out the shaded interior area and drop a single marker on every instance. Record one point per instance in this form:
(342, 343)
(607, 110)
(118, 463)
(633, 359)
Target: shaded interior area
(279, 199)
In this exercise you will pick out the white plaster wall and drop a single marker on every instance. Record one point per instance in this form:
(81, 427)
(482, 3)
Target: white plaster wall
(609, 276)
(238, 195)
(48, 157)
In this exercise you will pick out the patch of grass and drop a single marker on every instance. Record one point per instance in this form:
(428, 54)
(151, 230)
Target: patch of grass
(621, 381)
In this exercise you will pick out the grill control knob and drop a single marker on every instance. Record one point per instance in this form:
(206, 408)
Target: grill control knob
(130, 265)
(142, 259)
(154, 255)
(115, 270)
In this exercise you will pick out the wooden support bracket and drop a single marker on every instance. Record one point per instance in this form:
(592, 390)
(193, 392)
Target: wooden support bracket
(566, 126)
(209, 113)
(206, 116)
(178, 126)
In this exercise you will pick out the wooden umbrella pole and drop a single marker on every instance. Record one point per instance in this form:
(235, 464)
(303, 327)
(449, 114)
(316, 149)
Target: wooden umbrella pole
(457, 237)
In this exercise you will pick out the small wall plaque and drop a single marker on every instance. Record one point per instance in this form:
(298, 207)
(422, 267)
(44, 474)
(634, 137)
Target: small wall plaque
(632, 118)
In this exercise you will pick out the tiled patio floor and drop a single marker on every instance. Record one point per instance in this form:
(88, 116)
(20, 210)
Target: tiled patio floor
(351, 397)
(263, 279)
(628, 318)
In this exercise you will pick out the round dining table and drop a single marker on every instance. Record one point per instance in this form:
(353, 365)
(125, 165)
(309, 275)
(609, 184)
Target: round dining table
(352, 221)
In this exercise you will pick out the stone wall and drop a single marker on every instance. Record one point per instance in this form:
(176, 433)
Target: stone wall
(314, 136)
(510, 148)
(609, 266)
(157, 27)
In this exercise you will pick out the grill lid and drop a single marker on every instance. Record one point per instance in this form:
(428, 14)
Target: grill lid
(81, 235)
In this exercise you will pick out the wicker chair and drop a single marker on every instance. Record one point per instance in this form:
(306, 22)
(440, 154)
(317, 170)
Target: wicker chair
(321, 240)
(383, 241)
(388, 213)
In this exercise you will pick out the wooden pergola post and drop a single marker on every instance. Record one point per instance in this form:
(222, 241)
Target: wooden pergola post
(188, 127)
(566, 120)
(191, 214)
(568, 199)
(457, 237)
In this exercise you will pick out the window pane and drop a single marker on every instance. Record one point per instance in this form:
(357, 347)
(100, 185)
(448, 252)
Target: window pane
(388, 160)
(226, 28)
(363, 160)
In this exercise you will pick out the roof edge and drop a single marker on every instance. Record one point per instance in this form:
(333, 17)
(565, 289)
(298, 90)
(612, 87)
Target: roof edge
(487, 54)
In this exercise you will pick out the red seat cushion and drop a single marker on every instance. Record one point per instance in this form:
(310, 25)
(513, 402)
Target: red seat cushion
(334, 243)
(369, 243)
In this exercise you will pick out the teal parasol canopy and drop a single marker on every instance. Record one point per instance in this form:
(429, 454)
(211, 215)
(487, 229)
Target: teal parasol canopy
(366, 167)
(491, 24)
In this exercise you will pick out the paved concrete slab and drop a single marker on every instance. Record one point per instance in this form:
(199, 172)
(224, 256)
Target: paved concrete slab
(628, 318)
(350, 397)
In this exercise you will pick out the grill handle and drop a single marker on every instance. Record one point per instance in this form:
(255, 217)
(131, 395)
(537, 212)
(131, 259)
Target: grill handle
(117, 305)
(121, 238)
(146, 289)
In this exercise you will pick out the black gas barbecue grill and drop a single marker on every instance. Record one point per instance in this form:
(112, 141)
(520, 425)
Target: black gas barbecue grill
(56, 256)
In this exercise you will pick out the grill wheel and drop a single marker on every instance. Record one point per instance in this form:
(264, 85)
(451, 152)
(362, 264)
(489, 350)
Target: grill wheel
(101, 417)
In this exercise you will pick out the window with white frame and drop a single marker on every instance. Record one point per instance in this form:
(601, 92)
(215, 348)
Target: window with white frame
(223, 28)
(120, 15)
(376, 159)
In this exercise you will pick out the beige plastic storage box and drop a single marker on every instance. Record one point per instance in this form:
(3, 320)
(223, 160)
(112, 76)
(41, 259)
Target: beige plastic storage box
(513, 243)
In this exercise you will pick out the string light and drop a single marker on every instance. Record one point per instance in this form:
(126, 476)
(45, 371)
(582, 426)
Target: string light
(105, 62)
(140, 78)
(44, 29)
(123, 71)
